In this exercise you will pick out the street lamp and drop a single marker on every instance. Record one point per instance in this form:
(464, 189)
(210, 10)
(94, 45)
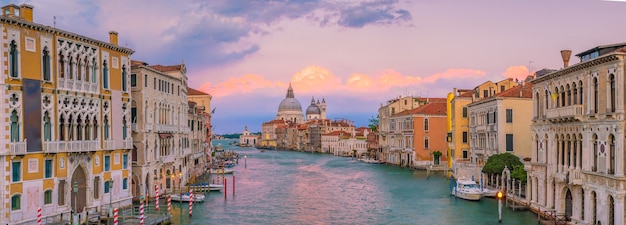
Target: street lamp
(499, 195)
(245, 161)
(75, 189)
(110, 199)
(180, 191)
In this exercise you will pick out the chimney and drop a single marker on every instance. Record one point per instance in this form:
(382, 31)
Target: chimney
(26, 12)
(113, 37)
(565, 54)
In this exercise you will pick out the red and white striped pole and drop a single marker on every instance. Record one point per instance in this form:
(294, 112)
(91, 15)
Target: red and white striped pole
(156, 207)
(115, 216)
(141, 213)
(39, 216)
(225, 188)
(169, 204)
(190, 202)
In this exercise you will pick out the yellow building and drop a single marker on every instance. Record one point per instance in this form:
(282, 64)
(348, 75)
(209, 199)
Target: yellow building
(65, 135)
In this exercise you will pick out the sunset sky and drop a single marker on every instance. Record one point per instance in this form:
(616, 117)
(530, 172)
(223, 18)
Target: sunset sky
(354, 54)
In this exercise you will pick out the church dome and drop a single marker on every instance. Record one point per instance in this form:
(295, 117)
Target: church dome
(290, 103)
(313, 109)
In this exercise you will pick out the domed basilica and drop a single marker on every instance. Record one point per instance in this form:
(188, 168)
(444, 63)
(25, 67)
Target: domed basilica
(291, 110)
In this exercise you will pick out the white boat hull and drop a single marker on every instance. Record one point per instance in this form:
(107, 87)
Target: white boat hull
(467, 189)
(468, 196)
(220, 171)
(186, 198)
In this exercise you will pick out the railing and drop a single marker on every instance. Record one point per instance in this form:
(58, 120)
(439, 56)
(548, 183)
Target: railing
(575, 177)
(565, 112)
(109, 145)
(18, 148)
(147, 126)
(127, 144)
(50, 146)
(133, 127)
(168, 158)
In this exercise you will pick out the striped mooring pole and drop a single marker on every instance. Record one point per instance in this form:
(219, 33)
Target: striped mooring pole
(169, 204)
(115, 221)
(141, 213)
(190, 202)
(156, 207)
(39, 216)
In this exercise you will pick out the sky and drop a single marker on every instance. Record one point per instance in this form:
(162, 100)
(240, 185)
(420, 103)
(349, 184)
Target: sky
(355, 54)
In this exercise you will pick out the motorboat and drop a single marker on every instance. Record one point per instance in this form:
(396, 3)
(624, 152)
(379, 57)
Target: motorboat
(467, 189)
(220, 171)
(212, 187)
(372, 161)
(186, 197)
(489, 192)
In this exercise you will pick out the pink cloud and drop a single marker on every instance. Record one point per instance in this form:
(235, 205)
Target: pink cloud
(519, 72)
(315, 79)
(237, 85)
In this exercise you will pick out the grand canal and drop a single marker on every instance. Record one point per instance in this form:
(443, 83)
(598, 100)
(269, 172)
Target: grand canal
(286, 187)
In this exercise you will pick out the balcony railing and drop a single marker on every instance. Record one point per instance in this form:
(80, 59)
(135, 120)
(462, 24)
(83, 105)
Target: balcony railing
(70, 146)
(565, 113)
(168, 159)
(109, 145)
(133, 127)
(575, 177)
(127, 144)
(18, 148)
(147, 126)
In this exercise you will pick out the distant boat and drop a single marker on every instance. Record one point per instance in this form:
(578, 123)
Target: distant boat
(467, 189)
(186, 197)
(488, 192)
(212, 187)
(220, 171)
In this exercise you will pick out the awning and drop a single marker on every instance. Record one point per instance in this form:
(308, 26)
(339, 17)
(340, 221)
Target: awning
(165, 135)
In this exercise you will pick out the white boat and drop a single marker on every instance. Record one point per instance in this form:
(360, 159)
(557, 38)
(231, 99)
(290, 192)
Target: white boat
(372, 161)
(488, 192)
(186, 197)
(220, 171)
(467, 189)
(212, 187)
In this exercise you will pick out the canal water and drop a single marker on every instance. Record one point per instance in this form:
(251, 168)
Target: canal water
(287, 187)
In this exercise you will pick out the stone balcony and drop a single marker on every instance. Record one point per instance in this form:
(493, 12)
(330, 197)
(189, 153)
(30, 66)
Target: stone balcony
(70, 146)
(566, 113)
(575, 177)
(168, 158)
(108, 145)
(127, 144)
(134, 127)
(17, 148)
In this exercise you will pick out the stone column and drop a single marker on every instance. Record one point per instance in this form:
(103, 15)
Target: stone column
(619, 209)
(619, 153)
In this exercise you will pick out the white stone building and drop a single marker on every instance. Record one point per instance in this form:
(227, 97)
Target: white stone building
(578, 127)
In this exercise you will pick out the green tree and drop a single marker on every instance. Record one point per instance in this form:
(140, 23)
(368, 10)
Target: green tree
(495, 165)
(373, 123)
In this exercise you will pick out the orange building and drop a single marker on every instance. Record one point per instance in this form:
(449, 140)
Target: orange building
(429, 133)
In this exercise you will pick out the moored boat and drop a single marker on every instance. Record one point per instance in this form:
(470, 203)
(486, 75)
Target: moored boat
(467, 189)
(489, 192)
(220, 171)
(186, 197)
(212, 187)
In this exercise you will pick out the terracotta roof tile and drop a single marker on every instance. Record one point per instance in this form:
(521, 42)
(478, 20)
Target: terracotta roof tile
(432, 108)
(520, 91)
(163, 68)
(191, 91)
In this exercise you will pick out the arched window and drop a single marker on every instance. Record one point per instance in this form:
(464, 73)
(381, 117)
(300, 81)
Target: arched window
(124, 128)
(15, 127)
(95, 128)
(580, 92)
(594, 141)
(47, 197)
(563, 97)
(595, 95)
(61, 66)
(611, 154)
(611, 210)
(13, 59)
(612, 84)
(594, 208)
(16, 202)
(79, 129)
(71, 68)
(569, 95)
(105, 76)
(87, 70)
(62, 128)
(125, 184)
(45, 63)
(582, 204)
(426, 144)
(547, 99)
(426, 124)
(575, 90)
(47, 127)
(106, 128)
(124, 78)
(93, 71)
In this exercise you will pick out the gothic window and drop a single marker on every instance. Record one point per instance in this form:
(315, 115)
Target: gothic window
(88, 126)
(611, 154)
(106, 128)
(594, 141)
(124, 128)
(70, 128)
(71, 68)
(79, 129)
(93, 71)
(563, 96)
(47, 127)
(13, 59)
(105, 75)
(15, 127)
(62, 128)
(79, 68)
(61, 66)
(595, 95)
(95, 128)
(547, 99)
(124, 75)
(612, 94)
(575, 93)
(580, 92)
(45, 63)
(87, 70)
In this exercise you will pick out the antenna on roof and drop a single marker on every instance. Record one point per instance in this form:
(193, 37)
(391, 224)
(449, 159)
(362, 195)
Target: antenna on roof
(54, 21)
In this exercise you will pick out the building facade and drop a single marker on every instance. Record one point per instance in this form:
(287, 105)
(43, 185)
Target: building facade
(161, 127)
(578, 163)
(66, 125)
